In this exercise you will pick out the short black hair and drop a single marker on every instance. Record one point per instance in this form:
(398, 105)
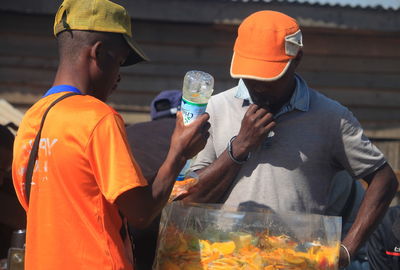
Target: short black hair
(6, 137)
(70, 42)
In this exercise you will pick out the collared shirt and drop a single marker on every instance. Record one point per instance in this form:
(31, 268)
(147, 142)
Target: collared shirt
(295, 168)
(300, 99)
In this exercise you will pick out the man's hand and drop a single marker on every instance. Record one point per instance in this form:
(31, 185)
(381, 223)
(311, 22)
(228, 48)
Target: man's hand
(188, 140)
(380, 192)
(256, 124)
(217, 178)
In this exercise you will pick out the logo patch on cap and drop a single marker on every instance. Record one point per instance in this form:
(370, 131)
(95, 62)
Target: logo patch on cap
(293, 43)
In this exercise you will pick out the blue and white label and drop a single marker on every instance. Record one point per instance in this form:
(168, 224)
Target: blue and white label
(191, 110)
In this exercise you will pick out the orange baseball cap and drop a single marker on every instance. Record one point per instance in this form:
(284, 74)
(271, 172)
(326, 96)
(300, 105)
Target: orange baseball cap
(267, 41)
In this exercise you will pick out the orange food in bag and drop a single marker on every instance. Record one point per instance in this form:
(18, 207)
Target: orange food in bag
(181, 187)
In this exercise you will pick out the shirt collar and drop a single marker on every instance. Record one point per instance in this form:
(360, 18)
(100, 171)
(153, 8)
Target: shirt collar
(62, 88)
(300, 99)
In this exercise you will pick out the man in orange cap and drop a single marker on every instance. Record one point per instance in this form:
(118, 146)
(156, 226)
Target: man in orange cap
(84, 175)
(276, 142)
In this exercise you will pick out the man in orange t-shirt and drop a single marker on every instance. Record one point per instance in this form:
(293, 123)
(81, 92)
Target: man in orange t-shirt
(85, 174)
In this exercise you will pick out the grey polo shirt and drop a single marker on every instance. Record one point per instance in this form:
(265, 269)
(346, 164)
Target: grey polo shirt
(314, 138)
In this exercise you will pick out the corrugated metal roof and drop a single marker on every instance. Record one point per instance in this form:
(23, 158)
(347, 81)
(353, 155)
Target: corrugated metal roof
(385, 4)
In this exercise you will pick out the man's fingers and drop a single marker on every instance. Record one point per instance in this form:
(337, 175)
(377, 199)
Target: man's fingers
(204, 131)
(179, 118)
(255, 112)
(201, 121)
(197, 123)
(270, 126)
(266, 118)
(206, 126)
(201, 127)
(179, 115)
(204, 117)
(252, 109)
(206, 135)
(261, 112)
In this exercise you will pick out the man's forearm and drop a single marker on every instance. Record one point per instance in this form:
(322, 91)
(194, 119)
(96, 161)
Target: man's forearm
(142, 204)
(382, 188)
(214, 180)
(164, 181)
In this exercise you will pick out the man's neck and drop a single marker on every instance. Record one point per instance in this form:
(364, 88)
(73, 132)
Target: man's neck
(75, 78)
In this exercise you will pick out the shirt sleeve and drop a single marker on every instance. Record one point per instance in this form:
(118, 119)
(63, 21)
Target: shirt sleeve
(208, 155)
(353, 150)
(111, 160)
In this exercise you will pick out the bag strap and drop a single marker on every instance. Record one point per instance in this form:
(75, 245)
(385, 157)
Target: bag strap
(35, 148)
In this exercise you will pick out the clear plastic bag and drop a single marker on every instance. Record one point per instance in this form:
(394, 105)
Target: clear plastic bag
(182, 187)
(208, 237)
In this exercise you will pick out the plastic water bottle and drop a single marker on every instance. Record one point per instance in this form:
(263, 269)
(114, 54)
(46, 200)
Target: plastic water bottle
(197, 90)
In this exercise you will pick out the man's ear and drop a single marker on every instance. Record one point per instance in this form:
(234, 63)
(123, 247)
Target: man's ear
(95, 51)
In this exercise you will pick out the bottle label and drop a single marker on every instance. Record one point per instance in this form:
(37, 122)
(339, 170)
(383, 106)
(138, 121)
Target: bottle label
(191, 110)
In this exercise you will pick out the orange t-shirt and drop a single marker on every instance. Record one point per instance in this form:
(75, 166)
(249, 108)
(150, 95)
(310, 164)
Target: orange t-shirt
(84, 163)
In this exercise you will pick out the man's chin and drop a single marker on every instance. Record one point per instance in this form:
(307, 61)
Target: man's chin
(264, 105)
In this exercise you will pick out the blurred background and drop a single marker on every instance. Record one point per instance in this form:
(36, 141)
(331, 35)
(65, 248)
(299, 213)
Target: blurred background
(351, 47)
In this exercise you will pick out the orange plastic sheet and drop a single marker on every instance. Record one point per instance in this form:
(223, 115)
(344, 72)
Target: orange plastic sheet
(204, 237)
